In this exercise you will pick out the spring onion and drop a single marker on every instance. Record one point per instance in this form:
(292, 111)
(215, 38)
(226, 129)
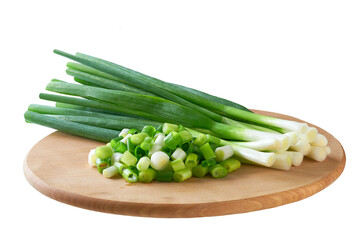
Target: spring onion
(128, 159)
(317, 153)
(104, 152)
(178, 154)
(231, 164)
(102, 164)
(209, 162)
(218, 171)
(110, 172)
(160, 121)
(223, 153)
(147, 175)
(178, 165)
(164, 176)
(116, 157)
(143, 163)
(182, 175)
(172, 140)
(129, 175)
(159, 160)
(199, 171)
(92, 158)
(191, 160)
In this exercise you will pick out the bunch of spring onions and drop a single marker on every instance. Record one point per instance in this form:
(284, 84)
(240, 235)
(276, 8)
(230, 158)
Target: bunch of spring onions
(168, 153)
(108, 97)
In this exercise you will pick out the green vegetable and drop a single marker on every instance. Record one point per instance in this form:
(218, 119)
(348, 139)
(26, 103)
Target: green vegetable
(199, 171)
(138, 79)
(128, 159)
(147, 175)
(149, 130)
(191, 160)
(139, 152)
(143, 163)
(138, 138)
(104, 152)
(130, 146)
(164, 176)
(207, 151)
(92, 71)
(129, 175)
(181, 175)
(177, 165)
(231, 164)
(120, 167)
(110, 172)
(172, 140)
(147, 143)
(102, 164)
(209, 162)
(218, 171)
(82, 130)
(168, 127)
(120, 147)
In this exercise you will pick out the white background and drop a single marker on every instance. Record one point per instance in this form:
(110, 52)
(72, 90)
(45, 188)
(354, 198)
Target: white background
(299, 58)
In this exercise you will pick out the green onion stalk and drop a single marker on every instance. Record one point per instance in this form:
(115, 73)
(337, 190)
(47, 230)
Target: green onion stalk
(141, 80)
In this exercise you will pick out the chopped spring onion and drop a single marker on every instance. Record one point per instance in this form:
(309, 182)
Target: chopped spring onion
(199, 171)
(92, 158)
(209, 162)
(160, 139)
(147, 175)
(159, 160)
(149, 130)
(116, 157)
(207, 151)
(172, 140)
(168, 127)
(186, 136)
(129, 175)
(139, 152)
(102, 164)
(191, 160)
(138, 138)
(154, 148)
(147, 143)
(182, 175)
(128, 159)
(124, 132)
(164, 176)
(178, 154)
(218, 171)
(120, 147)
(104, 152)
(178, 165)
(200, 139)
(110, 172)
(223, 153)
(231, 164)
(120, 167)
(143, 163)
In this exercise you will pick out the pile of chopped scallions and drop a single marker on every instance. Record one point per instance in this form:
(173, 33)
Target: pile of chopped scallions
(168, 153)
(109, 98)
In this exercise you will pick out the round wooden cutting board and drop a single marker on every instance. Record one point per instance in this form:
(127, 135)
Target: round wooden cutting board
(57, 167)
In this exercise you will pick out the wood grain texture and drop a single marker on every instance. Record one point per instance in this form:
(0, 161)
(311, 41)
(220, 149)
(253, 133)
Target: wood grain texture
(57, 167)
